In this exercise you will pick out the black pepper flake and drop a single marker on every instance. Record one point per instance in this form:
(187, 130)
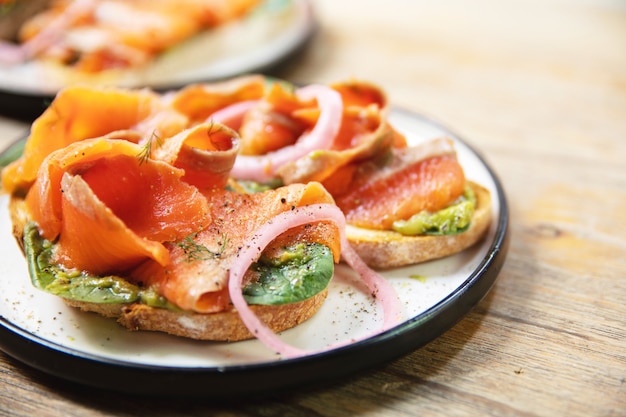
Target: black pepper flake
(283, 200)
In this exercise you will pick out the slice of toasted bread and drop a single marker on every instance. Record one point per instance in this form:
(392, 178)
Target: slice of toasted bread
(388, 249)
(19, 218)
(222, 326)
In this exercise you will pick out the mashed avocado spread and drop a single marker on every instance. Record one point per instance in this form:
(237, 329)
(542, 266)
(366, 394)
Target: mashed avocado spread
(299, 271)
(455, 218)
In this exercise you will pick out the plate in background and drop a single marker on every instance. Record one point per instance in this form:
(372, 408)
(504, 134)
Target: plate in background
(255, 43)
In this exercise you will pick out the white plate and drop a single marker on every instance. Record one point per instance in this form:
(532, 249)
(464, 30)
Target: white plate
(35, 324)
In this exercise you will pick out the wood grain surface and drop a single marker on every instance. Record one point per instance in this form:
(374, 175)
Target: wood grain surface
(539, 87)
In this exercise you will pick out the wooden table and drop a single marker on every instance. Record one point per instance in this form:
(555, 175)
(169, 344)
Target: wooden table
(540, 88)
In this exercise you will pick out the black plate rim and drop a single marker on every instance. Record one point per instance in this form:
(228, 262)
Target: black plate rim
(270, 377)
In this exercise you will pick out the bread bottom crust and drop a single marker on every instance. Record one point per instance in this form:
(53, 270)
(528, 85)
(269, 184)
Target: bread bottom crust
(224, 326)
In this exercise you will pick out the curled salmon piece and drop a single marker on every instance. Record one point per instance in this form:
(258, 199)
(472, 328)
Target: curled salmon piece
(79, 113)
(273, 122)
(106, 244)
(364, 133)
(265, 167)
(206, 153)
(197, 277)
(276, 133)
(108, 209)
(400, 183)
(200, 101)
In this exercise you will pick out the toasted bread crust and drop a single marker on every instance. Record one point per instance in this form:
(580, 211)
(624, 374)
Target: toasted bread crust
(19, 218)
(389, 249)
(223, 326)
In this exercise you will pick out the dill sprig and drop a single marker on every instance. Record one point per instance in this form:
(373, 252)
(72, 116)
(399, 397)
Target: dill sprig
(215, 127)
(197, 252)
(146, 150)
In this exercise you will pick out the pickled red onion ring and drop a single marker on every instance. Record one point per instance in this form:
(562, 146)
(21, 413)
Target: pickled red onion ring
(262, 168)
(232, 115)
(379, 287)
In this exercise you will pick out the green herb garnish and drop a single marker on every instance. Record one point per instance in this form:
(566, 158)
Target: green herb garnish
(146, 150)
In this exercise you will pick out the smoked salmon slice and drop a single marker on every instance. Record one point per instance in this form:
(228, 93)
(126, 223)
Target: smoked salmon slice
(108, 209)
(287, 118)
(275, 122)
(197, 277)
(375, 193)
(199, 101)
(205, 152)
(79, 113)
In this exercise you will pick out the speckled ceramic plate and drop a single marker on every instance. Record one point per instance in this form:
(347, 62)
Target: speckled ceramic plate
(38, 329)
(255, 43)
